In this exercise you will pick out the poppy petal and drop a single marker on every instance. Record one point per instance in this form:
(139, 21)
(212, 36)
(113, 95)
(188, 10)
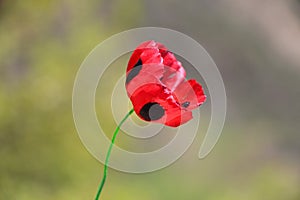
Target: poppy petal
(144, 78)
(190, 94)
(146, 58)
(183, 117)
(174, 73)
(137, 53)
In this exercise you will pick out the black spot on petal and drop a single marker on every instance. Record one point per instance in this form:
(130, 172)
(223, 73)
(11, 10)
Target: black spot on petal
(152, 111)
(134, 71)
(185, 104)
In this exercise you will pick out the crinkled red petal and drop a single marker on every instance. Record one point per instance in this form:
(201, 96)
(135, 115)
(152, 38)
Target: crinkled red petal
(190, 93)
(173, 115)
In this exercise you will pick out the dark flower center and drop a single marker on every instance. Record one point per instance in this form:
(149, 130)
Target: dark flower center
(152, 111)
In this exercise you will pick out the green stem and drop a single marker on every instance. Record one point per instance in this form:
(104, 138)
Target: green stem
(108, 153)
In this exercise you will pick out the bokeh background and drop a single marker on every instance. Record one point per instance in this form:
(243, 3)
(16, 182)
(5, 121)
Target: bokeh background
(255, 44)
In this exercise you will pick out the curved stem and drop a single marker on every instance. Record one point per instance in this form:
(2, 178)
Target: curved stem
(108, 153)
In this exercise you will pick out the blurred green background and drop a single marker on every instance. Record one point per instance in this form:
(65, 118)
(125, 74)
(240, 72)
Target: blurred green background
(255, 44)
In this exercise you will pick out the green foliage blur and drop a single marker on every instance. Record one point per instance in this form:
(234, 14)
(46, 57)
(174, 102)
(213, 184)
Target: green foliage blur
(42, 46)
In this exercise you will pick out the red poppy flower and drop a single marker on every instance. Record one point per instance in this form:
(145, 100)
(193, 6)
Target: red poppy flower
(156, 86)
